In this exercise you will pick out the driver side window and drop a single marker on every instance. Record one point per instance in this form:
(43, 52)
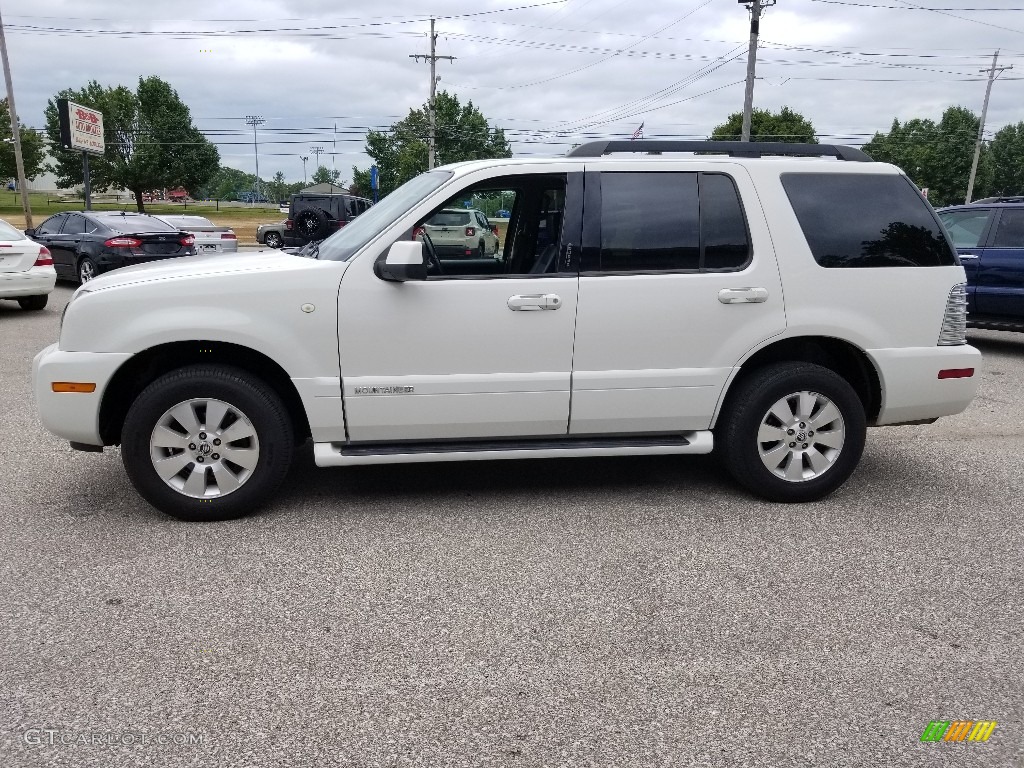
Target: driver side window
(460, 241)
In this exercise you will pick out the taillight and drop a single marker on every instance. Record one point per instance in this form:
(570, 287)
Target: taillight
(228, 236)
(954, 320)
(288, 224)
(188, 240)
(470, 231)
(44, 259)
(123, 242)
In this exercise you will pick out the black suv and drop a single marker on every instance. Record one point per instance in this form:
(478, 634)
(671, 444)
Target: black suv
(314, 216)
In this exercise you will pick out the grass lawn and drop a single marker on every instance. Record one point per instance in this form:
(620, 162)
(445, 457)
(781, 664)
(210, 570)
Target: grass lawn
(242, 218)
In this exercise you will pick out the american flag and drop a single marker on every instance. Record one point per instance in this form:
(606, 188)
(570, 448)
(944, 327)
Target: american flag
(638, 133)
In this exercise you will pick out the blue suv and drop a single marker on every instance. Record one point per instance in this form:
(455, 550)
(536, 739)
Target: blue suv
(989, 236)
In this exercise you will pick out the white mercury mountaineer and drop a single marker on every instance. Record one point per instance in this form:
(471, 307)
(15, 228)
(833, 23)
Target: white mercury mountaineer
(768, 301)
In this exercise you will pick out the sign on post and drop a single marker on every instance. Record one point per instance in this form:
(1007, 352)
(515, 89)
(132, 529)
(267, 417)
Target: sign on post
(81, 128)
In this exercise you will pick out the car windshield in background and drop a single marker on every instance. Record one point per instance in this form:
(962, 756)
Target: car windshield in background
(449, 219)
(9, 233)
(184, 222)
(134, 224)
(344, 243)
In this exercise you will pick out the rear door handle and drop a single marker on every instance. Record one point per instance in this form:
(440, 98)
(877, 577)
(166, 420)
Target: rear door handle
(521, 303)
(743, 295)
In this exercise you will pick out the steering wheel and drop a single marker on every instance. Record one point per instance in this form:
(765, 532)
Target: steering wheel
(433, 262)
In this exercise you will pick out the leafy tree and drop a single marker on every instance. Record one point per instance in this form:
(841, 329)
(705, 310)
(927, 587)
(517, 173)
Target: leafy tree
(462, 133)
(226, 184)
(151, 142)
(324, 175)
(1006, 161)
(276, 186)
(32, 152)
(786, 125)
(936, 156)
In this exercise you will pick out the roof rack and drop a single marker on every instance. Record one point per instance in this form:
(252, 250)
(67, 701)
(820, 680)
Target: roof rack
(731, 148)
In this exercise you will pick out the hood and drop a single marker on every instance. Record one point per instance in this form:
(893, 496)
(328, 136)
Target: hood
(193, 267)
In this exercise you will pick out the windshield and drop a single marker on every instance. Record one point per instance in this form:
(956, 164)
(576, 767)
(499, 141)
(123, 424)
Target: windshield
(344, 243)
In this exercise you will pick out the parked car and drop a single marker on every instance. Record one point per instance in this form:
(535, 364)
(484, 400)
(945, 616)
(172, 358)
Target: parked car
(737, 313)
(461, 232)
(210, 237)
(85, 244)
(990, 240)
(271, 235)
(316, 216)
(26, 269)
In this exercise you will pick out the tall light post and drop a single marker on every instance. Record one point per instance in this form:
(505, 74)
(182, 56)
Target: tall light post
(254, 121)
(303, 158)
(19, 161)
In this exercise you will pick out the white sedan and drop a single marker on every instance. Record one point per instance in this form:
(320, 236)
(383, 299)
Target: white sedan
(26, 269)
(210, 238)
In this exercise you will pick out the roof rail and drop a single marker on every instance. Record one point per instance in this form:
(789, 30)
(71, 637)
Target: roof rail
(731, 148)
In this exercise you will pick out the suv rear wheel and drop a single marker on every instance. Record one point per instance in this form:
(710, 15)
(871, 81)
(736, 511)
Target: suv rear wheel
(207, 442)
(312, 223)
(792, 432)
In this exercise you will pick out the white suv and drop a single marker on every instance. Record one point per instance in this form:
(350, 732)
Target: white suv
(768, 301)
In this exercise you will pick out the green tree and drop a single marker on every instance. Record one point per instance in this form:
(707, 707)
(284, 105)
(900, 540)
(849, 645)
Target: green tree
(151, 142)
(400, 153)
(937, 156)
(786, 125)
(324, 175)
(277, 186)
(1006, 161)
(226, 184)
(32, 152)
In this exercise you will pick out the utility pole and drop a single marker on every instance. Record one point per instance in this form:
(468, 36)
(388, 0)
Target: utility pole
(432, 58)
(317, 151)
(303, 158)
(755, 7)
(19, 161)
(993, 73)
(255, 120)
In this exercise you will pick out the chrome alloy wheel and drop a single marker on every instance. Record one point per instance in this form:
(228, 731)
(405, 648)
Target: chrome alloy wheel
(86, 271)
(801, 436)
(204, 448)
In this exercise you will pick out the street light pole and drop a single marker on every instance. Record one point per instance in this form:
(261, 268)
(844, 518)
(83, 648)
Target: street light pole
(19, 161)
(254, 121)
(304, 158)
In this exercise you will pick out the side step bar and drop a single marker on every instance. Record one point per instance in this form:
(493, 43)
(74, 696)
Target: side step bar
(347, 454)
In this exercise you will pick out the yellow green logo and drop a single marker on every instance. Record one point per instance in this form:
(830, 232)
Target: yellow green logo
(958, 730)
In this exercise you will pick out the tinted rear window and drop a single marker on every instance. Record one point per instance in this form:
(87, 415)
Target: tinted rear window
(445, 219)
(866, 220)
(130, 224)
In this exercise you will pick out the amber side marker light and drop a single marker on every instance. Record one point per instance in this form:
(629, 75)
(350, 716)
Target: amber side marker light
(73, 386)
(956, 373)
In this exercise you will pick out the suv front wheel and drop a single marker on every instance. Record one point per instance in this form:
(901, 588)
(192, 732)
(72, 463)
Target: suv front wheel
(792, 432)
(207, 442)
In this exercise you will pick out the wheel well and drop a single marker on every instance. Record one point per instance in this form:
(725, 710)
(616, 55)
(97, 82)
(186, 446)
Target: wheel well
(839, 356)
(145, 367)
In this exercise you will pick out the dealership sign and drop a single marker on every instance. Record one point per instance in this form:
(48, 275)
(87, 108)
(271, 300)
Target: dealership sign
(81, 128)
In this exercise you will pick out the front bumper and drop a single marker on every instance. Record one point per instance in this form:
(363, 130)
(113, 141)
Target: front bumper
(912, 389)
(35, 281)
(75, 416)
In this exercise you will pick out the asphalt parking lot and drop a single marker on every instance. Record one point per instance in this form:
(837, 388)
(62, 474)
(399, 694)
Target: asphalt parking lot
(613, 612)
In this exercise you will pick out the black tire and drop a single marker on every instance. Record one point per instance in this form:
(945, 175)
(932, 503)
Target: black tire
(482, 251)
(238, 389)
(748, 408)
(312, 223)
(33, 302)
(86, 269)
(273, 239)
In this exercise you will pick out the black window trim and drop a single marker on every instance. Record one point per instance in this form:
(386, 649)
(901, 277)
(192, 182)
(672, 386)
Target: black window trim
(592, 228)
(994, 222)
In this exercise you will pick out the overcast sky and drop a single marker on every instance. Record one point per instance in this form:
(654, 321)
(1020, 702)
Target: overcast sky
(550, 73)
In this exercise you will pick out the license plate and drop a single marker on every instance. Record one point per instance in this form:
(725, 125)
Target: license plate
(209, 247)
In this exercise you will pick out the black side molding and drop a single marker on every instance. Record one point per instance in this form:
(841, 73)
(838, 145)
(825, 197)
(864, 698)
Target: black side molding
(731, 148)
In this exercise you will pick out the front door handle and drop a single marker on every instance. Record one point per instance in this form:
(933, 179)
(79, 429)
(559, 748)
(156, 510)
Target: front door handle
(521, 303)
(968, 256)
(743, 295)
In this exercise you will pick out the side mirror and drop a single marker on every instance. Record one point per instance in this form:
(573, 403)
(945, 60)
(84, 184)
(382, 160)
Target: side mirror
(404, 262)
(30, 232)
